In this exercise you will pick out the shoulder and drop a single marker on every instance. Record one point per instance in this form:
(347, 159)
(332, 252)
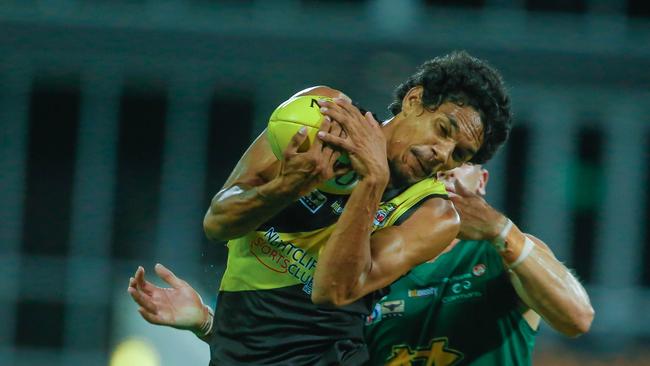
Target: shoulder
(434, 211)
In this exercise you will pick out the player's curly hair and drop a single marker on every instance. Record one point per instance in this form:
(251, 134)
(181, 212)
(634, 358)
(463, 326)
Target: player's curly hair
(463, 79)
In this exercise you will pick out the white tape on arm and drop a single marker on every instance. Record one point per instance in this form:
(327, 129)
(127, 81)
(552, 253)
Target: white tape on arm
(528, 248)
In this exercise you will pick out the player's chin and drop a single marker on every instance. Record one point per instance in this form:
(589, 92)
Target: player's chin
(405, 177)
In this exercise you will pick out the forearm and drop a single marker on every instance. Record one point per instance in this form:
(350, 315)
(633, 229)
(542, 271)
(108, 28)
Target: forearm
(346, 258)
(548, 287)
(237, 211)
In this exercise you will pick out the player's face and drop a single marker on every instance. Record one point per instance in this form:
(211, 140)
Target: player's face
(425, 142)
(473, 177)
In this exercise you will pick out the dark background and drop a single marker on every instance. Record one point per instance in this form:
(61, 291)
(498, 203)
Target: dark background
(120, 119)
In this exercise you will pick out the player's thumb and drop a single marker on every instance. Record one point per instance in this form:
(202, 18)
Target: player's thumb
(168, 276)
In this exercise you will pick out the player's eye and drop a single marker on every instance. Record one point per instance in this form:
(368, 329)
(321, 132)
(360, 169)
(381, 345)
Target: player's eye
(459, 155)
(444, 130)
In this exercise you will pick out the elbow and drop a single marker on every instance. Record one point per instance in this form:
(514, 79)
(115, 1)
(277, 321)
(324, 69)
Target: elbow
(581, 323)
(214, 230)
(330, 298)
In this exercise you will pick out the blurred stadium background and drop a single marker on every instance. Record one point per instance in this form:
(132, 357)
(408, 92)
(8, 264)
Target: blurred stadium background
(120, 119)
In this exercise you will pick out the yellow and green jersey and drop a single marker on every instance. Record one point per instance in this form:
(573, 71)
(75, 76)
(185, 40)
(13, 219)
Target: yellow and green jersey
(265, 314)
(460, 309)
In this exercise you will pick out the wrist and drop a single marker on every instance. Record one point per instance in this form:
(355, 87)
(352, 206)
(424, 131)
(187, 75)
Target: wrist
(276, 190)
(511, 243)
(371, 182)
(495, 232)
(204, 329)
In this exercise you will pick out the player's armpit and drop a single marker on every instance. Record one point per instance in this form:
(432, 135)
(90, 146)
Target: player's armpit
(397, 249)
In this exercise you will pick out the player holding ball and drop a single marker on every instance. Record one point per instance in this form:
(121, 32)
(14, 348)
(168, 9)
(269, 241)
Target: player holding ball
(306, 265)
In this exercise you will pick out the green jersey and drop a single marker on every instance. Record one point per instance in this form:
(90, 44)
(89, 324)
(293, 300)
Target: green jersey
(460, 309)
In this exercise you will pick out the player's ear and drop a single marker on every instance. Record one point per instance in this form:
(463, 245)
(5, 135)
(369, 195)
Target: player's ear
(412, 101)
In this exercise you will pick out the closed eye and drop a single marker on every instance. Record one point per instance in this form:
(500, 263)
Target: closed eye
(444, 129)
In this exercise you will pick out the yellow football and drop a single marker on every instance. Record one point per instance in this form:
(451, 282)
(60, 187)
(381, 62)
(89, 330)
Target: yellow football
(284, 123)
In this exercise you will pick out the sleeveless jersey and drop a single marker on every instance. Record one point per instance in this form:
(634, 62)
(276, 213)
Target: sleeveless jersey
(458, 310)
(265, 314)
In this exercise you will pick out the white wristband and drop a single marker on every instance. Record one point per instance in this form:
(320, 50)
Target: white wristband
(500, 240)
(206, 327)
(528, 248)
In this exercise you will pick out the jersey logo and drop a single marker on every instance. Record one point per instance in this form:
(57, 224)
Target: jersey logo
(435, 354)
(479, 270)
(375, 316)
(313, 201)
(337, 208)
(382, 214)
(458, 287)
(284, 257)
(392, 308)
(431, 291)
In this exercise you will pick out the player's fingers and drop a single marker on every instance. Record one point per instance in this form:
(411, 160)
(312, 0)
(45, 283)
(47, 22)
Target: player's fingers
(338, 114)
(317, 145)
(296, 141)
(336, 141)
(346, 105)
(168, 276)
(139, 278)
(142, 299)
(371, 119)
(140, 283)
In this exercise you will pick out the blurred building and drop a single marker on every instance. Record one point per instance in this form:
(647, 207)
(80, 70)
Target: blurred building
(120, 119)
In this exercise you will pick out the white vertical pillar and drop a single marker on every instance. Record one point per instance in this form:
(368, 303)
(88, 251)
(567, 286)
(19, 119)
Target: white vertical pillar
(14, 131)
(182, 208)
(546, 211)
(88, 273)
(619, 247)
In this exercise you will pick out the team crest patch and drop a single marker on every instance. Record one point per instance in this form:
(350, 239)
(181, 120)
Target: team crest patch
(392, 308)
(313, 201)
(385, 210)
(431, 291)
(479, 270)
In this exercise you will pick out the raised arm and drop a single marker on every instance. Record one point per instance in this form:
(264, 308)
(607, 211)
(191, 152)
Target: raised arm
(353, 263)
(543, 283)
(260, 186)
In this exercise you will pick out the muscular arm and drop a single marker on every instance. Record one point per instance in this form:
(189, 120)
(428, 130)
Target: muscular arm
(549, 288)
(542, 282)
(260, 186)
(354, 264)
(250, 196)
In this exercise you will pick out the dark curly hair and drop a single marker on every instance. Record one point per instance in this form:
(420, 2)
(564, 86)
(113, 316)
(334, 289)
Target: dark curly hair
(463, 79)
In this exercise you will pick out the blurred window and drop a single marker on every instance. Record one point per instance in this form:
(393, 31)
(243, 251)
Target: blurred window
(516, 171)
(638, 8)
(140, 150)
(53, 121)
(39, 324)
(586, 195)
(230, 134)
